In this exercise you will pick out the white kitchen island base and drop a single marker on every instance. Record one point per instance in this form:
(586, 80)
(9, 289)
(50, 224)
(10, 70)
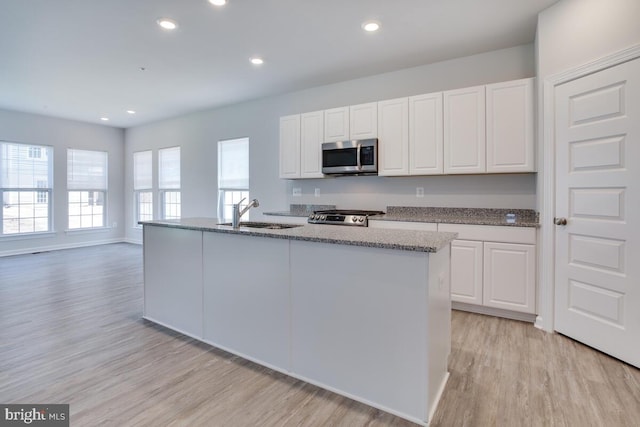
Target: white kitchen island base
(369, 323)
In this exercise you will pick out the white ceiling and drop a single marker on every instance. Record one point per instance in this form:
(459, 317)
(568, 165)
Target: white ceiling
(82, 59)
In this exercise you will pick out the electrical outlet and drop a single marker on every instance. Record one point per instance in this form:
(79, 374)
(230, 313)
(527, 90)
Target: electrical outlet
(317, 192)
(114, 225)
(297, 192)
(419, 191)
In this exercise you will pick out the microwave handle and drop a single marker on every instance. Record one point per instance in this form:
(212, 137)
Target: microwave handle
(358, 160)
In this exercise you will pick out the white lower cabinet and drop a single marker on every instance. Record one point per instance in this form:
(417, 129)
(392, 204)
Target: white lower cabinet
(466, 271)
(491, 266)
(509, 276)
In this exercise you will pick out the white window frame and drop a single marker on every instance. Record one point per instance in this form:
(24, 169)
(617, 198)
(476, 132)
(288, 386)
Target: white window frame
(232, 189)
(142, 186)
(36, 190)
(81, 179)
(169, 182)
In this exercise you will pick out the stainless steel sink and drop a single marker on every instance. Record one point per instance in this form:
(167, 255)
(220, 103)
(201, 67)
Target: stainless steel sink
(266, 225)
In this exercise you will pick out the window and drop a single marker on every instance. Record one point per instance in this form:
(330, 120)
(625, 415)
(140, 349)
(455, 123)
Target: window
(26, 183)
(35, 152)
(233, 175)
(87, 185)
(142, 186)
(169, 182)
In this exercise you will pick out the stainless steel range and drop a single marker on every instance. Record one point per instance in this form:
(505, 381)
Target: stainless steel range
(342, 217)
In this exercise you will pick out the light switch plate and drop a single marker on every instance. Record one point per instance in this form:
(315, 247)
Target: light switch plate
(419, 191)
(317, 192)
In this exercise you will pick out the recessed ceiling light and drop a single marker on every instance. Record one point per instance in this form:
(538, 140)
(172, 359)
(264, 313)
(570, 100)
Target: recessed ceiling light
(256, 60)
(131, 112)
(371, 26)
(104, 119)
(167, 24)
(218, 2)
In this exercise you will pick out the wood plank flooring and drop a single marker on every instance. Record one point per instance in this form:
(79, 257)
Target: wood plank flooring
(71, 332)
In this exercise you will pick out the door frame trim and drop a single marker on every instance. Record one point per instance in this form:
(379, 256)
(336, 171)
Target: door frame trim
(547, 179)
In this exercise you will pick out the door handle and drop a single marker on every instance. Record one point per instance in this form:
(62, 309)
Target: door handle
(560, 221)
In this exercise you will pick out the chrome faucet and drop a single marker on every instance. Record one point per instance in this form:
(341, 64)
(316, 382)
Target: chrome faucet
(237, 212)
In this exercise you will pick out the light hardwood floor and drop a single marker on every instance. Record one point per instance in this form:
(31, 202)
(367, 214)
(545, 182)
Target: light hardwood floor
(71, 332)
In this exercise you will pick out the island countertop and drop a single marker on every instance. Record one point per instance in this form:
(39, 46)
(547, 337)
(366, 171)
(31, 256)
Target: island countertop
(407, 240)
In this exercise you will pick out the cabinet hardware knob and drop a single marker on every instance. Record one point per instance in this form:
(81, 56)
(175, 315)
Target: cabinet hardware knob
(560, 221)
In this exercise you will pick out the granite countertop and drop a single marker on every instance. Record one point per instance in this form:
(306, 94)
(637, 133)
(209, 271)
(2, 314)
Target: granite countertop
(473, 216)
(407, 240)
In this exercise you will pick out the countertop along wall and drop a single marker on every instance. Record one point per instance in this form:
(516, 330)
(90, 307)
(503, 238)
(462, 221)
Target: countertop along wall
(62, 134)
(198, 134)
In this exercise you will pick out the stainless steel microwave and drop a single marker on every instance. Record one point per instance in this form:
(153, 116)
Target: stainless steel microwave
(358, 156)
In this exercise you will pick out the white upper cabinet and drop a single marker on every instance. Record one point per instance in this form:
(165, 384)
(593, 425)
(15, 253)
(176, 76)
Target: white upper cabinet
(311, 139)
(363, 120)
(425, 134)
(510, 146)
(475, 130)
(393, 137)
(464, 131)
(290, 146)
(336, 124)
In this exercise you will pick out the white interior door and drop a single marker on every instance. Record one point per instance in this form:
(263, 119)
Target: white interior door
(597, 283)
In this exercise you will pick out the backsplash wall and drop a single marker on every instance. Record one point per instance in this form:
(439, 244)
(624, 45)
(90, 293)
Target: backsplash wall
(517, 191)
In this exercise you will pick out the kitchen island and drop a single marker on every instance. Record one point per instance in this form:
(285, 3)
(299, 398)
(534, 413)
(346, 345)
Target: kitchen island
(361, 312)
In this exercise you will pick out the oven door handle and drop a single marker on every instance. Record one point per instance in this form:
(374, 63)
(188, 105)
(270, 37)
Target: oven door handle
(358, 160)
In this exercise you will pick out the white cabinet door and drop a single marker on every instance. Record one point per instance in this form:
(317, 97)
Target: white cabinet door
(363, 120)
(290, 146)
(311, 139)
(510, 126)
(393, 137)
(509, 276)
(246, 296)
(173, 278)
(464, 131)
(466, 271)
(336, 124)
(425, 134)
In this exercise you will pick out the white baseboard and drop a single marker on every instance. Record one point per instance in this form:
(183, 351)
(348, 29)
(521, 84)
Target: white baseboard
(132, 241)
(31, 250)
(524, 317)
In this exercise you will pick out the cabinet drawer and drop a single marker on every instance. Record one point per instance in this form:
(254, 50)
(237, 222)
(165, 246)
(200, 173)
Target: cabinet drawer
(493, 233)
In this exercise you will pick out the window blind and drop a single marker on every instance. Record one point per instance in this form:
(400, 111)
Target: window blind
(233, 164)
(169, 168)
(142, 170)
(86, 170)
(25, 166)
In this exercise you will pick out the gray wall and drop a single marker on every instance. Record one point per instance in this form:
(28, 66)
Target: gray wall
(575, 32)
(198, 134)
(62, 134)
